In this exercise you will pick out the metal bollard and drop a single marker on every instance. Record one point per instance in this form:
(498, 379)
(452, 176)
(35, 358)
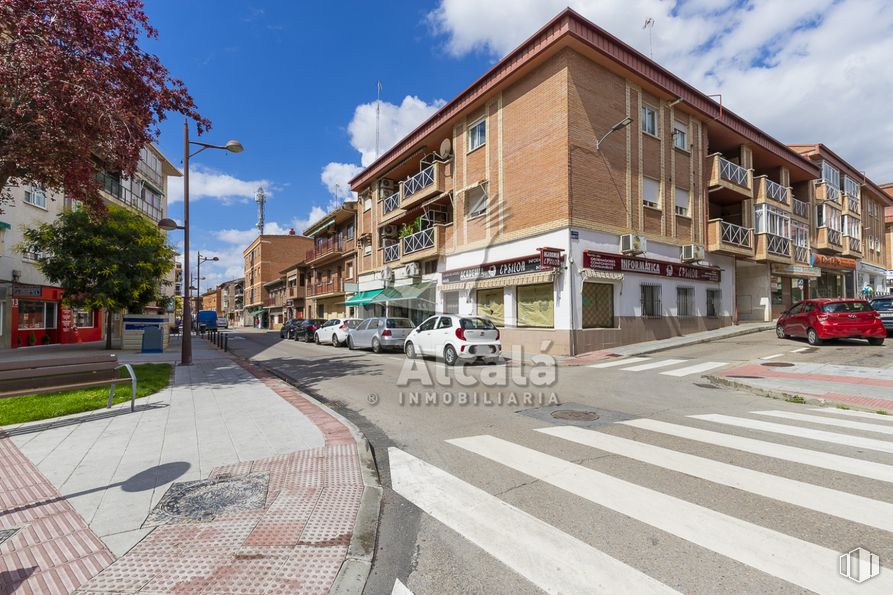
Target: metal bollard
(226, 342)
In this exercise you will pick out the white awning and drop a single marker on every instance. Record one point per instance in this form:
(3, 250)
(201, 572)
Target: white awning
(588, 274)
(528, 279)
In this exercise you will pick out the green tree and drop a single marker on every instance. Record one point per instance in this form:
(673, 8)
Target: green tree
(116, 260)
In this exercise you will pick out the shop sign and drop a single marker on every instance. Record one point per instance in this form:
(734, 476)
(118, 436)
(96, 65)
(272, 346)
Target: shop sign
(505, 268)
(66, 319)
(289, 302)
(26, 290)
(795, 270)
(550, 258)
(604, 261)
(833, 262)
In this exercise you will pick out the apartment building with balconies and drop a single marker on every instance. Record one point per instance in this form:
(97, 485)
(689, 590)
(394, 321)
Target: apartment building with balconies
(265, 258)
(331, 263)
(295, 290)
(274, 303)
(232, 295)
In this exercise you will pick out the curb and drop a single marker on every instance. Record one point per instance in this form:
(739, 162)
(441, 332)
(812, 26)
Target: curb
(697, 341)
(354, 571)
(782, 395)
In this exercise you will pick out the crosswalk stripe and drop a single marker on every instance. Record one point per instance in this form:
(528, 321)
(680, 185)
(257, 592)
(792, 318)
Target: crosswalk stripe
(773, 356)
(814, 458)
(801, 350)
(551, 559)
(400, 588)
(762, 548)
(619, 362)
(825, 500)
(696, 369)
(829, 421)
(766, 426)
(652, 365)
(849, 412)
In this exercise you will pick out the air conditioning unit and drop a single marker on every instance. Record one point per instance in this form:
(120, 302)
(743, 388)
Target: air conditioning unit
(390, 231)
(387, 274)
(632, 244)
(692, 253)
(386, 186)
(413, 270)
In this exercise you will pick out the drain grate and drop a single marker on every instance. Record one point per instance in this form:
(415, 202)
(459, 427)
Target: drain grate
(778, 365)
(574, 415)
(7, 533)
(206, 499)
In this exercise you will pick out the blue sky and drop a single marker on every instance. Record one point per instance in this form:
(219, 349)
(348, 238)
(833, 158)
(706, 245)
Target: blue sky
(296, 82)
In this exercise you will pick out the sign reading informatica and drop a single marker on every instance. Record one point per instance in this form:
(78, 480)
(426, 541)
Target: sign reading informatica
(605, 261)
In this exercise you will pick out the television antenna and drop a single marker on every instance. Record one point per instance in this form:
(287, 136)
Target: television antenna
(649, 24)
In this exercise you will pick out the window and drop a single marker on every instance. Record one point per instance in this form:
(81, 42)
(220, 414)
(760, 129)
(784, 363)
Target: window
(682, 198)
(852, 227)
(451, 302)
(768, 219)
(490, 303)
(598, 305)
(536, 305)
(428, 324)
(651, 193)
(350, 232)
(476, 201)
(349, 273)
(37, 315)
(830, 174)
(680, 135)
(477, 135)
(685, 301)
(826, 216)
(480, 324)
(83, 318)
(367, 249)
(714, 302)
(367, 204)
(851, 187)
(445, 322)
(34, 195)
(398, 323)
(649, 120)
(651, 300)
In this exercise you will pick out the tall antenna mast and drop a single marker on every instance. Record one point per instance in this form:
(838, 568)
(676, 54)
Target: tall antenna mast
(261, 199)
(377, 119)
(649, 24)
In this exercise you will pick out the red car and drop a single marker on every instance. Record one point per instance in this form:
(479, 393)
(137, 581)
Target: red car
(822, 319)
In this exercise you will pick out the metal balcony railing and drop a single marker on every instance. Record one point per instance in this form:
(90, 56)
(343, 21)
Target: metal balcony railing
(327, 246)
(390, 203)
(732, 172)
(150, 174)
(776, 191)
(423, 179)
(800, 208)
(833, 236)
(392, 252)
(324, 287)
(418, 241)
(778, 245)
(114, 187)
(832, 194)
(735, 235)
(801, 253)
(852, 204)
(855, 244)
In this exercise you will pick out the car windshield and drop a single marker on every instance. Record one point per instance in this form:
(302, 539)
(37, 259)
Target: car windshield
(399, 323)
(476, 324)
(882, 305)
(846, 307)
(353, 323)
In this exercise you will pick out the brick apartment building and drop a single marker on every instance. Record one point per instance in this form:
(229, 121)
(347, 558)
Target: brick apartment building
(331, 262)
(578, 193)
(232, 294)
(265, 258)
(295, 290)
(211, 300)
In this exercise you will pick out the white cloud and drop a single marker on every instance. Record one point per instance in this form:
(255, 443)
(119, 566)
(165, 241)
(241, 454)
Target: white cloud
(206, 182)
(802, 70)
(337, 176)
(396, 122)
(243, 237)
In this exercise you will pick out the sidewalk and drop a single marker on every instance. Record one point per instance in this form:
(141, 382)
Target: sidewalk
(869, 388)
(229, 479)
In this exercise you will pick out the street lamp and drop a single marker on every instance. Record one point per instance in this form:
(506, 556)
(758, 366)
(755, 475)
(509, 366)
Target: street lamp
(233, 146)
(618, 126)
(198, 273)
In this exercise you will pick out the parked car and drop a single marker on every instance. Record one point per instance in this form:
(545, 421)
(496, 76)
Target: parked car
(453, 338)
(335, 330)
(288, 328)
(884, 307)
(305, 329)
(222, 322)
(822, 319)
(379, 334)
(206, 319)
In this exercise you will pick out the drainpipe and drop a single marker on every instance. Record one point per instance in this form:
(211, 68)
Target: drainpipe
(571, 278)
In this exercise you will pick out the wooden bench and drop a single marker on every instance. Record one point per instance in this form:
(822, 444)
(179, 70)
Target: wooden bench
(49, 375)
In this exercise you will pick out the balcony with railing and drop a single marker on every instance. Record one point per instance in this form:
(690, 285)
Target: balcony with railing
(824, 192)
(773, 248)
(391, 252)
(800, 208)
(323, 288)
(829, 240)
(328, 249)
(118, 191)
(154, 177)
(852, 246)
(729, 177)
(427, 183)
(801, 254)
(772, 192)
(851, 204)
(423, 244)
(390, 207)
(728, 238)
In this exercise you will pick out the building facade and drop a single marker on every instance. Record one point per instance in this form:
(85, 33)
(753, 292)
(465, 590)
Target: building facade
(296, 290)
(232, 296)
(331, 263)
(265, 258)
(212, 300)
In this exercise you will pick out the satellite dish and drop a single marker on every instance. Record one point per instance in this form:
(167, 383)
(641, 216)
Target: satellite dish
(445, 147)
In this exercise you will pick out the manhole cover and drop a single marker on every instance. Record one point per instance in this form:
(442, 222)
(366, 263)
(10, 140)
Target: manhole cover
(7, 533)
(206, 499)
(574, 415)
(778, 365)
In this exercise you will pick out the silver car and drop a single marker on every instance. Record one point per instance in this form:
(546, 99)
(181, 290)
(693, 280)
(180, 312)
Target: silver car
(379, 334)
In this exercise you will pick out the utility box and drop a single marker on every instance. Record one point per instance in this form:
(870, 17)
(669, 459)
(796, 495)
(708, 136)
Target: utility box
(135, 325)
(153, 340)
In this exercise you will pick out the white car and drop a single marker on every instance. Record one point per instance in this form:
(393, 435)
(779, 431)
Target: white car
(334, 331)
(453, 338)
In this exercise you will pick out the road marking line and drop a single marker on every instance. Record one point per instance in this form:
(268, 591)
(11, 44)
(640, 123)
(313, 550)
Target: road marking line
(762, 548)
(658, 364)
(814, 458)
(619, 362)
(551, 559)
(828, 421)
(773, 356)
(850, 507)
(766, 426)
(862, 414)
(801, 350)
(400, 588)
(696, 369)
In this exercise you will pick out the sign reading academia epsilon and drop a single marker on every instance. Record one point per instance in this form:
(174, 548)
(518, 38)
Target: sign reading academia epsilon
(604, 261)
(502, 268)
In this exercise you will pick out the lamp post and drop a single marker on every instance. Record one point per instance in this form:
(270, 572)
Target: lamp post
(166, 224)
(198, 273)
(618, 126)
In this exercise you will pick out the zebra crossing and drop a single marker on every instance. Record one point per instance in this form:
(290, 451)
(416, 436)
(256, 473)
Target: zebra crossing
(557, 562)
(643, 364)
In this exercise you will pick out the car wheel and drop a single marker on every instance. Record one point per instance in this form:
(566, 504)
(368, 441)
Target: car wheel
(779, 332)
(376, 345)
(350, 344)
(316, 338)
(450, 356)
(335, 342)
(409, 350)
(876, 341)
(812, 337)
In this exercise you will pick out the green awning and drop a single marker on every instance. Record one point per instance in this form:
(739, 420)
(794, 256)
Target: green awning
(5, 225)
(403, 293)
(363, 297)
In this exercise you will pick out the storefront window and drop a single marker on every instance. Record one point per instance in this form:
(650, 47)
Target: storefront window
(798, 290)
(451, 302)
(714, 302)
(777, 291)
(598, 305)
(37, 315)
(491, 304)
(829, 285)
(685, 301)
(83, 318)
(536, 305)
(651, 300)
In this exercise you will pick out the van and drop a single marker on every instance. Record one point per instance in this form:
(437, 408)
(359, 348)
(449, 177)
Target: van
(206, 319)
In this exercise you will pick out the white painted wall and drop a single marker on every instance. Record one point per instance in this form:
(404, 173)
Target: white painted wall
(752, 292)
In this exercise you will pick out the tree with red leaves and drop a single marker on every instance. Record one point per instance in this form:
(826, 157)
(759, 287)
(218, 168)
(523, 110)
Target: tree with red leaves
(78, 94)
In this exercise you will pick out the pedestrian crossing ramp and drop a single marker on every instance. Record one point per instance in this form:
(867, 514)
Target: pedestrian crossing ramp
(667, 367)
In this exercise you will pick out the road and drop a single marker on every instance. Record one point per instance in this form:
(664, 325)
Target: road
(675, 485)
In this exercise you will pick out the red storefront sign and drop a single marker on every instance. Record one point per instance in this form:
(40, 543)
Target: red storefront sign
(550, 258)
(605, 261)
